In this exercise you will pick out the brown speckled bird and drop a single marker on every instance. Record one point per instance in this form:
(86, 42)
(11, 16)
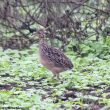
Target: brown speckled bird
(51, 57)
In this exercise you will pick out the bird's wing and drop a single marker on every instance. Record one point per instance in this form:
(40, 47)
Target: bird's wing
(58, 58)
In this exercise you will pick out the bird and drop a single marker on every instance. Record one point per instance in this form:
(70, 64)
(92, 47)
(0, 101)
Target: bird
(51, 57)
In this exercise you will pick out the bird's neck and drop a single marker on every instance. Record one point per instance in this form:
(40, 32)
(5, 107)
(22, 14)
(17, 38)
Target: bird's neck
(42, 42)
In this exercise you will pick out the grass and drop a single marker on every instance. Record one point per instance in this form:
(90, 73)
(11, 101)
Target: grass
(25, 84)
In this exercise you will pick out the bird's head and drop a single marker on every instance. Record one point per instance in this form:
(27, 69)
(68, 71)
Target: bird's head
(41, 33)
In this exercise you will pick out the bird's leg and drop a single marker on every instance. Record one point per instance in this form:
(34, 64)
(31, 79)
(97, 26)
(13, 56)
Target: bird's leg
(58, 78)
(56, 75)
